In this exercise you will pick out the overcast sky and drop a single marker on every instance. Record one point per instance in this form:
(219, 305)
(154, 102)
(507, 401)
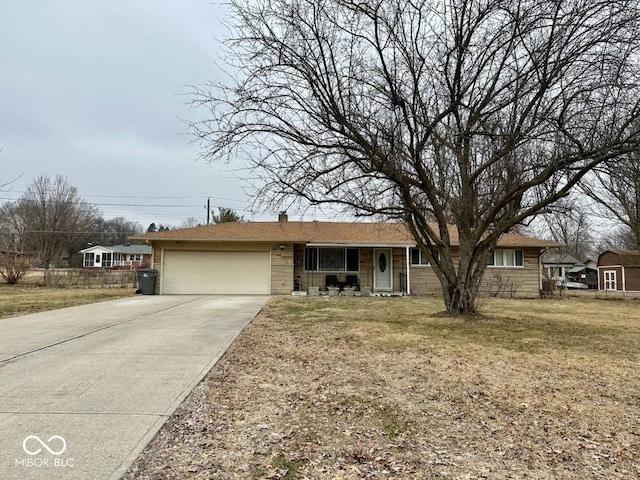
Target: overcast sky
(97, 90)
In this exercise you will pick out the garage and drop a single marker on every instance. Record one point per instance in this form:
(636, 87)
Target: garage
(218, 272)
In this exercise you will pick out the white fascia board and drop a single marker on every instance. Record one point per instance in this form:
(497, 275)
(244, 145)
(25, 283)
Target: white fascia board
(97, 248)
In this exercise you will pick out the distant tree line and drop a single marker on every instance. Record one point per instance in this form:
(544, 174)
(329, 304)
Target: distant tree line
(49, 222)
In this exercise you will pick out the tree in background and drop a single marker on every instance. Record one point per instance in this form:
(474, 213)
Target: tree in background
(567, 222)
(14, 264)
(621, 238)
(475, 113)
(113, 231)
(615, 187)
(226, 215)
(190, 222)
(46, 219)
(153, 228)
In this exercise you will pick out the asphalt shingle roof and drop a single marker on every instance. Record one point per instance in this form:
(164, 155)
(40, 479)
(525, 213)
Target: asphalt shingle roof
(560, 258)
(628, 258)
(361, 233)
(131, 249)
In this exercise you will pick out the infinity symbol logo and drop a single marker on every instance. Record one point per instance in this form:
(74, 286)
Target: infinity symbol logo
(35, 438)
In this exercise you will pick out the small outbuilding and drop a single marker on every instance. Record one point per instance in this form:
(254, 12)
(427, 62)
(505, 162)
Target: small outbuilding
(585, 275)
(619, 270)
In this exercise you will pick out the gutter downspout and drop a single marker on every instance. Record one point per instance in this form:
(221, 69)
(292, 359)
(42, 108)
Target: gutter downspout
(542, 252)
(408, 286)
(161, 289)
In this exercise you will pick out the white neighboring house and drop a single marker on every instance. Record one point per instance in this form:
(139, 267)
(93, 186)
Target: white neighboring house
(557, 265)
(117, 256)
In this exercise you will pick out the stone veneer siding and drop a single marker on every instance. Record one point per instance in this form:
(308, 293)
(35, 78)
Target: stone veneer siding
(288, 262)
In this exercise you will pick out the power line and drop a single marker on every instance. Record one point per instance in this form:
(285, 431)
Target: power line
(191, 197)
(80, 202)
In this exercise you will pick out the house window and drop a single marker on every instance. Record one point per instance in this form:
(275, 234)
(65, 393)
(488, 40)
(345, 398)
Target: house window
(106, 260)
(135, 258)
(556, 272)
(507, 258)
(311, 259)
(89, 259)
(117, 259)
(331, 259)
(418, 257)
(353, 259)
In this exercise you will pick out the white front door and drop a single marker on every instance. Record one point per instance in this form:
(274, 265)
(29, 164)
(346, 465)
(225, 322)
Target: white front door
(382, 269)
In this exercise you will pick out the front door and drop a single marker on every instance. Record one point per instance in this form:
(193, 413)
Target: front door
(382, 269)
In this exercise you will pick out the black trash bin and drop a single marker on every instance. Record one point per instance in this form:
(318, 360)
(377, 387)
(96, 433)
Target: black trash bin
(147, 281)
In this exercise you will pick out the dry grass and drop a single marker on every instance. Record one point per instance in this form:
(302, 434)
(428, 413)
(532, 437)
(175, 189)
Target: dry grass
(391, 388)
(26, 298)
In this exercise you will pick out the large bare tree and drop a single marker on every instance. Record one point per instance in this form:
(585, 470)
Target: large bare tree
(477, 113)
(46, 219)
(14, 262)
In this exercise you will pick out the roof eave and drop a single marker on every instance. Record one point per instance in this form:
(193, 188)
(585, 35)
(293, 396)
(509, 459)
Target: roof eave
(361, 244)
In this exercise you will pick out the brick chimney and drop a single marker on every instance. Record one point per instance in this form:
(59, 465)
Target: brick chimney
(283, 217)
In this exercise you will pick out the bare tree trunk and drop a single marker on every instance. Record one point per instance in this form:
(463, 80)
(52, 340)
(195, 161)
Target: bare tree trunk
(461, 299)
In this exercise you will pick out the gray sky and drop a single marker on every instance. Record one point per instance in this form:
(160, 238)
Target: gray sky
(96, 90)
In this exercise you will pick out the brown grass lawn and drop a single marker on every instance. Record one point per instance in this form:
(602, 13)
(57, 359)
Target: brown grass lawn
(28, 298)
(354, 388)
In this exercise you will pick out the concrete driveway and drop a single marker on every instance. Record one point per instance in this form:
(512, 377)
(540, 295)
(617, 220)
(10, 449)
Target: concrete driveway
(84, 389)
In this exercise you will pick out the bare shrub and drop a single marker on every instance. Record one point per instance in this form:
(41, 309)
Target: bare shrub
(13, 266)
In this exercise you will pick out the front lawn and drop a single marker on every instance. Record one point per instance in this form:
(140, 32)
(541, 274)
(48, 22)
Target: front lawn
(28, 298)
(351, 388)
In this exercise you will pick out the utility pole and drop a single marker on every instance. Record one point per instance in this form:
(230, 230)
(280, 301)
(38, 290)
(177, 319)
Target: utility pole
(208, 210)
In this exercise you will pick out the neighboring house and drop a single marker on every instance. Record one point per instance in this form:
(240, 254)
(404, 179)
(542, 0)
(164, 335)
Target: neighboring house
(117, 256)
(279, 257)
(592, 264)
(619, 270)
(557, 266)
(584, 274)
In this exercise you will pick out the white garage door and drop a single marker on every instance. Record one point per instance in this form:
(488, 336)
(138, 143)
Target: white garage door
(198, 272)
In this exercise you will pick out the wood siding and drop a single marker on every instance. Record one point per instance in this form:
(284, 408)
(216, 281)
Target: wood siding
(627, 276)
